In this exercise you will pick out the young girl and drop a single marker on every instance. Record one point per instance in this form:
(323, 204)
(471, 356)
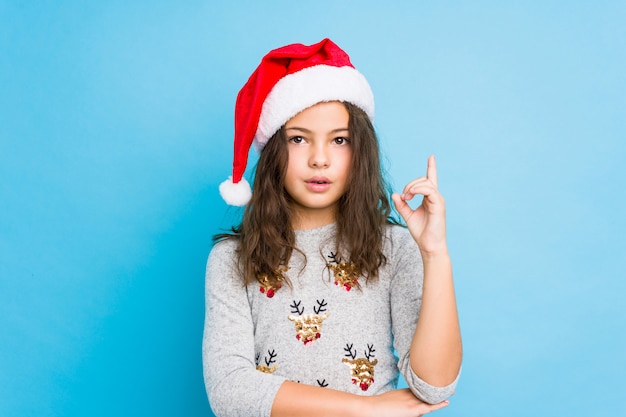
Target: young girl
(307, 299)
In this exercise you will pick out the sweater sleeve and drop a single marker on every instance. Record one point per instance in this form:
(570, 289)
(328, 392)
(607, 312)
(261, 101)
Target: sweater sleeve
(234, 387)
(406, 300)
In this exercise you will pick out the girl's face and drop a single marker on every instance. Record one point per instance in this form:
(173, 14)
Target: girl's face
(318, 142)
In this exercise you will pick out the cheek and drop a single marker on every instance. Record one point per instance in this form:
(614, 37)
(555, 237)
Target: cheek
(295, 158)
(292, 168)
(345, 161)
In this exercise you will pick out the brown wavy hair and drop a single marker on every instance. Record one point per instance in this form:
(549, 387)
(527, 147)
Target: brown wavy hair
(266, 237)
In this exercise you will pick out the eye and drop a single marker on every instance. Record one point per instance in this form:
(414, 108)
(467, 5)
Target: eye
(341, 140)
(296, 139)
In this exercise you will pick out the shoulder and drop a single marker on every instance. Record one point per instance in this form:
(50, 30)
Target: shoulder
(398, 235)
(223, 253)
(399, 244)
(225, 247)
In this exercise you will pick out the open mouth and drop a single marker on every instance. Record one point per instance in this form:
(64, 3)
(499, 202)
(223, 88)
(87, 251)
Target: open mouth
(317, 180)
(318, 184)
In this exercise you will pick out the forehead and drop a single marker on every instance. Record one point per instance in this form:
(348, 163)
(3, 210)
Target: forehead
(330, 115)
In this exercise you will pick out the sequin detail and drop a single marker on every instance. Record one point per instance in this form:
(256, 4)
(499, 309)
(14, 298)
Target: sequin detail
(267, 287)
(346, 273)
(308, 326)
(361, 369)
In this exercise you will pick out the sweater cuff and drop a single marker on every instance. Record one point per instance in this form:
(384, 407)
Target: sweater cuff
(427, 392)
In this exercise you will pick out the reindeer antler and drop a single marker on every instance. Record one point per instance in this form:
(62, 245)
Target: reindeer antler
(321, 306)
(369, 353)
(296, 307)
(350, 353)
(272, 357)
(333, 258)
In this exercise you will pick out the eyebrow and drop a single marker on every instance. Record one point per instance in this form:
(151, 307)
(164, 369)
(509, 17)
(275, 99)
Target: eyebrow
(304, 130)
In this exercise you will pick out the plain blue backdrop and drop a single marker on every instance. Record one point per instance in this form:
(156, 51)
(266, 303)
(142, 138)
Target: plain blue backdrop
(116, 124)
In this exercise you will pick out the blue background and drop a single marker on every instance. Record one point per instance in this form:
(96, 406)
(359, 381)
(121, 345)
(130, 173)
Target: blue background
(116, 129)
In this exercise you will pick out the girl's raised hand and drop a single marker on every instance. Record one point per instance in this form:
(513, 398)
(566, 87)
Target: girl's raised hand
(427, 223)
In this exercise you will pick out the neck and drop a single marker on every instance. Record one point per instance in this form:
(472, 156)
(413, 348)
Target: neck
(306, 221)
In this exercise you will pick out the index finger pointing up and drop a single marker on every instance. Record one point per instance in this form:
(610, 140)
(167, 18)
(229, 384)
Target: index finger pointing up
(431, 172)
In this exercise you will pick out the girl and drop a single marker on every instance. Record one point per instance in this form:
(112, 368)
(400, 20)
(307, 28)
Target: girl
(308, 297)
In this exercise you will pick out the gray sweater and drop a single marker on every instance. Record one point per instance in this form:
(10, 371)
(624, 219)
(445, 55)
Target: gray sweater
(324, 331)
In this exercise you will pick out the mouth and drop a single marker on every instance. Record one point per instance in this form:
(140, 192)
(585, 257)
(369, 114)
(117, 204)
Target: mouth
(318, 180)
(318, 184)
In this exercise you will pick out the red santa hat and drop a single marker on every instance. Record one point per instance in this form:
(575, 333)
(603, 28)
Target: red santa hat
(289, 80)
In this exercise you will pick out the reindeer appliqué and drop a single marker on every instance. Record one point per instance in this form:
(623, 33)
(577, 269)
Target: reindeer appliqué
(267, 287)
(270, 359)
(361, 369)
(308, 326)
(346, 273)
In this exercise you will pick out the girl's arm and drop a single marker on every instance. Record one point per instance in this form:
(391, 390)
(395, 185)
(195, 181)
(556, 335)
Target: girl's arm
(299, 400)
(234, 387)
(436, 349)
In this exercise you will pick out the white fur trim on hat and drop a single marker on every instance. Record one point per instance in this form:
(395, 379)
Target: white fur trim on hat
(307, 87)
(236, 194)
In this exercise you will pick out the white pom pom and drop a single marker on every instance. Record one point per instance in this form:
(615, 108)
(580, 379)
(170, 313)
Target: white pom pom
(236, 194)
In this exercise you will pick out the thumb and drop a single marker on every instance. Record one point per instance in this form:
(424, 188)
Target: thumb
(402, 206)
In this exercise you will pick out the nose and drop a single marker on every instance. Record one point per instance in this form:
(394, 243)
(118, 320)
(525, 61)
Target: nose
(319, 157)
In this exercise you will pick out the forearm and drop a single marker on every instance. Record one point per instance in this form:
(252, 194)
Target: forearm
(436, 349)
(300, 400)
